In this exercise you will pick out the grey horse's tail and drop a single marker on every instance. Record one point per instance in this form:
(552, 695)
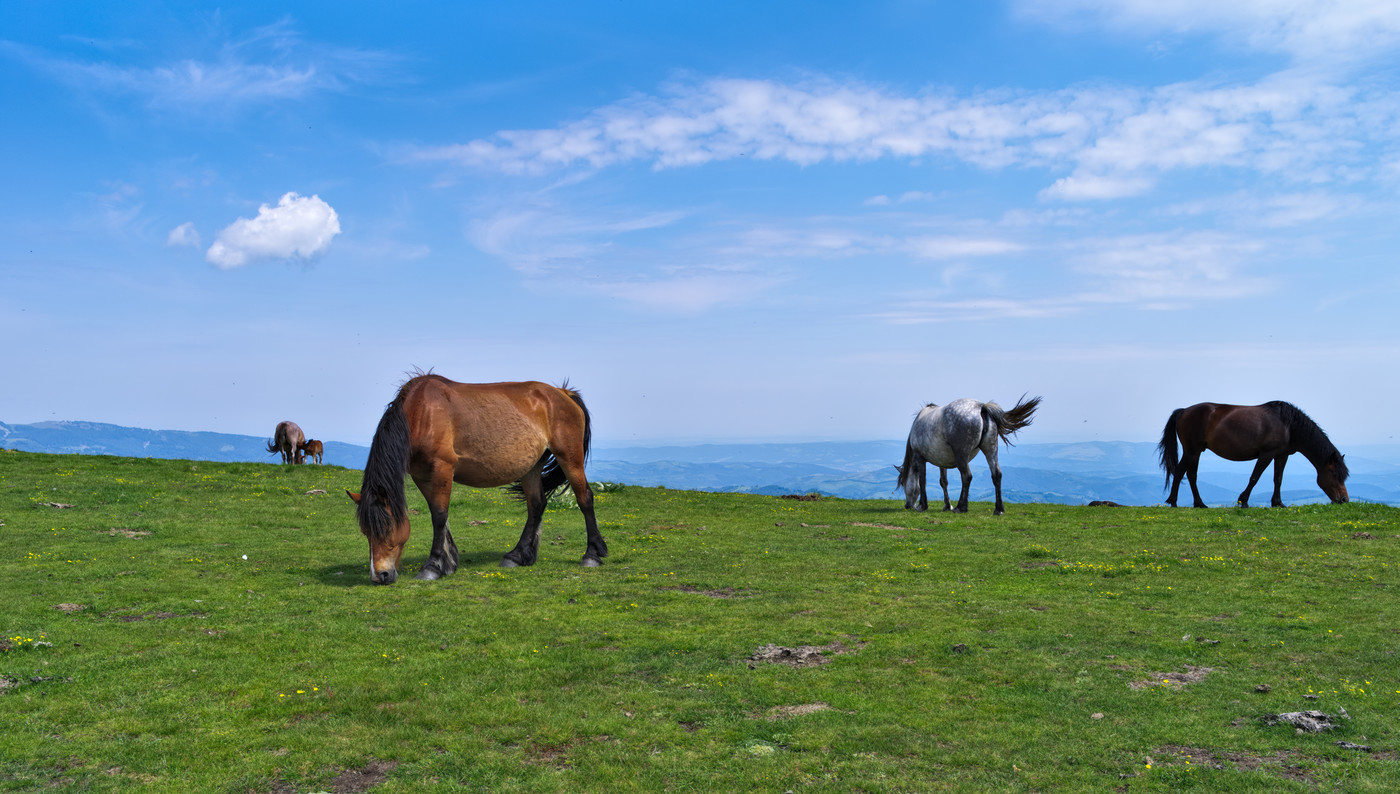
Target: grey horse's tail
(1007, 423)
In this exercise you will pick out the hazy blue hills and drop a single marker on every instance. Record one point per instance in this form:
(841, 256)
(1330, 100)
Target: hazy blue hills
(95, 438)
(1118, 471)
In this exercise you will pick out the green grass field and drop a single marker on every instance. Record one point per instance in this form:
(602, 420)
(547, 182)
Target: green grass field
(192, 626)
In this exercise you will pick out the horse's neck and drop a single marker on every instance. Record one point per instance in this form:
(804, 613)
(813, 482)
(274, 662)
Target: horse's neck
(1313, 445)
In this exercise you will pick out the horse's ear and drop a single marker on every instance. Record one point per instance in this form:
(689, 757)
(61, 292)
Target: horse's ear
(353, 496)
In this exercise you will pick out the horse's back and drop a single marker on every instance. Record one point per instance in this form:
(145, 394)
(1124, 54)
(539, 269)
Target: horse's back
(490, 433)
(1233, 432)
(940, 431)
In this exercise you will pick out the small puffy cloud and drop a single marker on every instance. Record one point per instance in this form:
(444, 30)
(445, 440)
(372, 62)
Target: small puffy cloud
(184, 234)
(299, 227)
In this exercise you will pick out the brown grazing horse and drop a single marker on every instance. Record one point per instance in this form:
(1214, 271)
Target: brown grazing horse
(478, 434)
(312, 450)
(286, 439)
(1262, 433)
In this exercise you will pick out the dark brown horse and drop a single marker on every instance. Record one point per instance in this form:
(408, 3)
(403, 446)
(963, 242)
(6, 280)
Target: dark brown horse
(312, 450)
(478, 434)
(1261, 433)
(286, 439)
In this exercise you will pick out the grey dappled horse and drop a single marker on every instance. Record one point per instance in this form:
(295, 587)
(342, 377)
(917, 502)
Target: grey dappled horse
(949, 437)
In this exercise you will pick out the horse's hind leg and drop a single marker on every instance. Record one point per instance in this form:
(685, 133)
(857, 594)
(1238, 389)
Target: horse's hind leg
(436, 487)
(943, 483)
(597, 548)
(995, 466)
(527, 548)
(966, 471)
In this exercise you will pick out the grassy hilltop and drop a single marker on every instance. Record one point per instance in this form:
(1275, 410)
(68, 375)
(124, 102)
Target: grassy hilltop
(182, 626)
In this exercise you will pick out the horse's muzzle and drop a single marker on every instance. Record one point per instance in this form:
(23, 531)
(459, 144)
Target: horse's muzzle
(384, 577)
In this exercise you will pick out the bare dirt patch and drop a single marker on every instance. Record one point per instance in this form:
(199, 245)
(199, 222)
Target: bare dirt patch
(788, 712)
(1193, 675)
(69, 607)
(129, 533)
(801, 656)
(55, 505)
(881, 526)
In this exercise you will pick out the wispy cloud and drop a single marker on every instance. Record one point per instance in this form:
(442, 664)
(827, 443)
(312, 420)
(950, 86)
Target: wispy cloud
(1332, 30)
(272, 63)
(692, 291)
(1109, 142)
(542, 238)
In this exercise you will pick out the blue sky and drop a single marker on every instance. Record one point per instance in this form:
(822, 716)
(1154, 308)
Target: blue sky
(719, 221)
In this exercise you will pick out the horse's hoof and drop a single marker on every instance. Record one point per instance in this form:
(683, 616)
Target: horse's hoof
(509, 564)
(428, 574)
(590, 562)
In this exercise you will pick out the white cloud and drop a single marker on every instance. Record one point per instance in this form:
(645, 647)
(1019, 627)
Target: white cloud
(539, 239)
(959, 247)
(1111, 142)
(298, 227)
(1160, 270)
(1089, 187)
(184, 234)
(1310, 30)
(268, 64)
(691, 292)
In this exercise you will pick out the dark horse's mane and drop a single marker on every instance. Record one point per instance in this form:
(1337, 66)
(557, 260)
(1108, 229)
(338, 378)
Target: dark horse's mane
(384, 472)
(552, 475)
(1308, 437)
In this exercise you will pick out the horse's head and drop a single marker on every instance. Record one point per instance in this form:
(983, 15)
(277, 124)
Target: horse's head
(1332, 477)
(387, 537)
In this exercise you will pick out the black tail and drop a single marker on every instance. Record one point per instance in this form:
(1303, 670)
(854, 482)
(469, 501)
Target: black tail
(384, 472)
(1166, 450)
(906, 468)
(1009, 422)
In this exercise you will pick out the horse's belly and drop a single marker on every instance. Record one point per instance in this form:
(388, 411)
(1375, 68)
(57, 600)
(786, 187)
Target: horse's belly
(940, 454)
(491, 473)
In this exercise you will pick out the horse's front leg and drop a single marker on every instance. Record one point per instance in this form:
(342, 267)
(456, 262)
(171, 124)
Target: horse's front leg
(943, 483)
(1279, 463)
(1259, 466)
(436, 487)
(527, 548)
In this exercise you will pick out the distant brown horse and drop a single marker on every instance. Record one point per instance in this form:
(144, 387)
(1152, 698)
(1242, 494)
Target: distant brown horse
(1262, 433)
(478, 434)
(311, 449)
(286, 440)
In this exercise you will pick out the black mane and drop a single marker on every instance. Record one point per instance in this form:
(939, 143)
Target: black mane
(384, 472)
(1308, 437)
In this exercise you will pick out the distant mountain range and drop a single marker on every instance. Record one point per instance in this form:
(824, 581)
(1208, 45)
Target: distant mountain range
(1119, 471)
